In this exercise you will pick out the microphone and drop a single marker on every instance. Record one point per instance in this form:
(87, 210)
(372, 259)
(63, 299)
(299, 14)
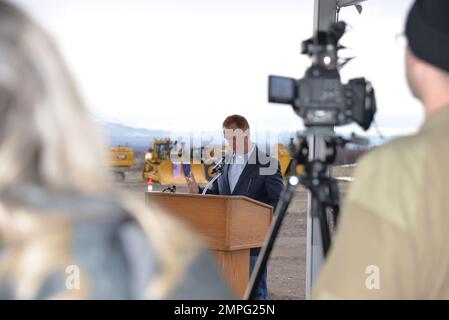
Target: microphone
(217, 169)
(219, 166)
(172, 189)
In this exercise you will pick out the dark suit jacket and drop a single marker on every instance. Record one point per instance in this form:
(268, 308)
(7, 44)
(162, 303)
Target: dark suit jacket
(254, 182)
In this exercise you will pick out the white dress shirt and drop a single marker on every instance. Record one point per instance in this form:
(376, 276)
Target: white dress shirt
(236, 167)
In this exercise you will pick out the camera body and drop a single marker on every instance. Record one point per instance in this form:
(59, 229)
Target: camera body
(320, 98)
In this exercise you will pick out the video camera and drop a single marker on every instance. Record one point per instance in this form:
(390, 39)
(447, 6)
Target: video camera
(320, 98)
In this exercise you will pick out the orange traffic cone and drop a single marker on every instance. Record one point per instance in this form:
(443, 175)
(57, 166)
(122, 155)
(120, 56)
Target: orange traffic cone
(150, 184)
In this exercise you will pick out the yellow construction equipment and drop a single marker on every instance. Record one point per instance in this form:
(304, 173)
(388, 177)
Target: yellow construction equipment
(159, 167)
(121, 158)
(285, 161)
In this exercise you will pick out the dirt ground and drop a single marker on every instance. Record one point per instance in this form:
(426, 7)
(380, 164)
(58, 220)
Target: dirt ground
(286, 268)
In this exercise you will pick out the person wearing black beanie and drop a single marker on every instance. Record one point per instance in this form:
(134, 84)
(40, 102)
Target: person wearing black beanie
(427, 55)
(392, 240)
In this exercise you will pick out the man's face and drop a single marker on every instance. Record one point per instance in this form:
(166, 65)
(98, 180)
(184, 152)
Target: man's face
(237, 138)
(411, 72)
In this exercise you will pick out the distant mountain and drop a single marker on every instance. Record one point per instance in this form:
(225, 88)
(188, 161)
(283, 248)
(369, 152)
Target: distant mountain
(373, 140)
(123, 135)
(141, 138)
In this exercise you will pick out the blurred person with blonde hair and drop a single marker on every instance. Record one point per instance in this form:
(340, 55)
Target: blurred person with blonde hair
(64, 232)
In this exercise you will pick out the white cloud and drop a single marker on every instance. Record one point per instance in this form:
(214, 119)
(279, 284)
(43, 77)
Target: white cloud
(188, 64)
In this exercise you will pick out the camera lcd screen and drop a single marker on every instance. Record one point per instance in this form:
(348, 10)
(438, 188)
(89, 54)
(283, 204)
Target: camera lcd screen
(281, 89)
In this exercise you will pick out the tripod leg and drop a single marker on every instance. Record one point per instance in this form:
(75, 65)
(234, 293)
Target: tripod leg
(324, 227)
(281, 210)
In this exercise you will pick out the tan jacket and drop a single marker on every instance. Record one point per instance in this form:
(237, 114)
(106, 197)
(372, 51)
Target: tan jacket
(392, 240)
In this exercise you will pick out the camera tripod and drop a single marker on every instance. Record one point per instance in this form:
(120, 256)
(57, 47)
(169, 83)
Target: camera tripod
(323, 102)
(324, 196)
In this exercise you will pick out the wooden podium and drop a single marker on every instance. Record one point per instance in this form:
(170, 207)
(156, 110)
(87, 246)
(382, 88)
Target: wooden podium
(231, 224)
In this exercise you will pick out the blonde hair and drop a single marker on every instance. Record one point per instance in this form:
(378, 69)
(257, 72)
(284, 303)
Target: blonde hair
(46, 134)
(48, 139)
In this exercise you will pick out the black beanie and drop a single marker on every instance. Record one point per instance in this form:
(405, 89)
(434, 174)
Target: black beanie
(427, 32)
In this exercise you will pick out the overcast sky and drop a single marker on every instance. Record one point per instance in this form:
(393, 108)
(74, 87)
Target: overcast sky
(186, 64)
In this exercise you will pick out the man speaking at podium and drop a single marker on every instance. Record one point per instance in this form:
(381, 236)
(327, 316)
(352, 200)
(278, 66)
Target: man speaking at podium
(246, 172)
